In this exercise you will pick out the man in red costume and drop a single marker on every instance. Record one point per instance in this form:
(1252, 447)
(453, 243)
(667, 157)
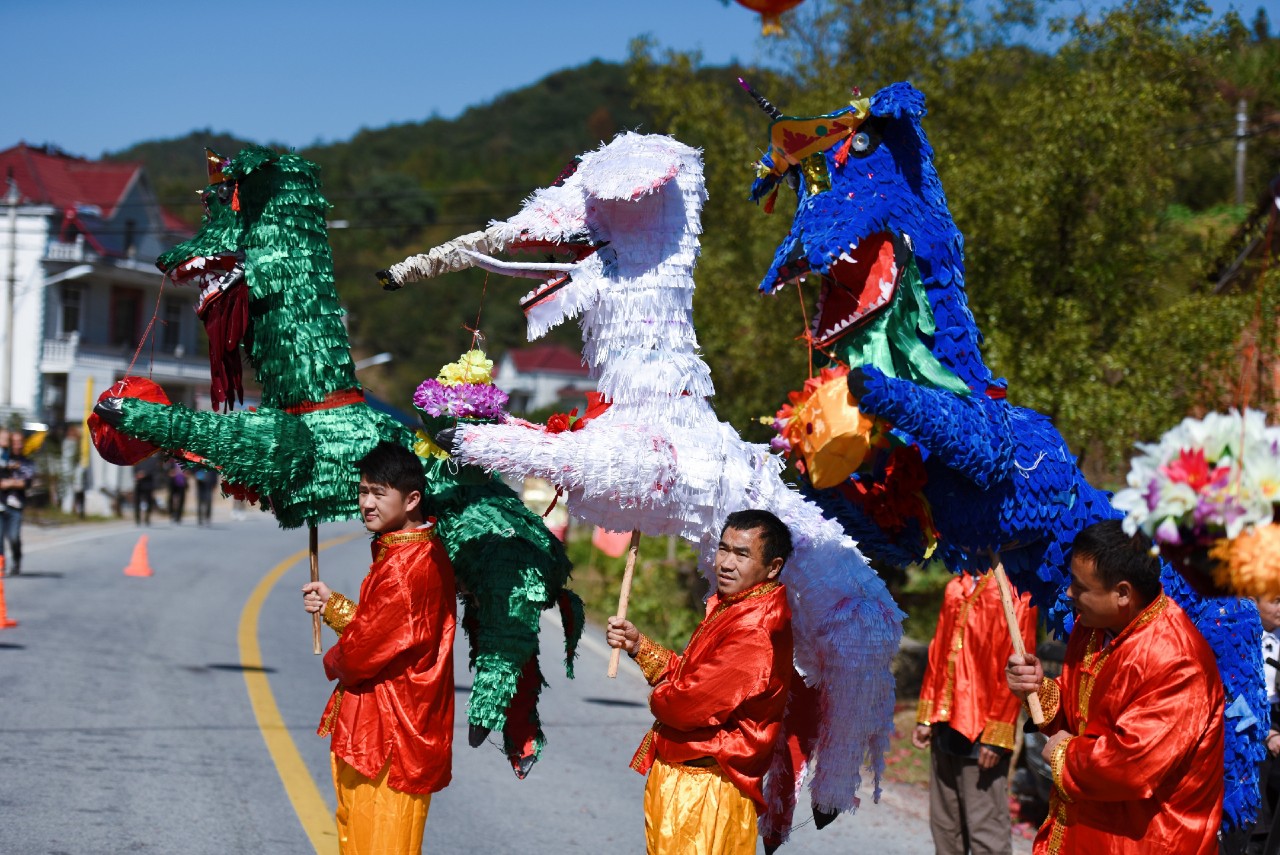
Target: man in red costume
(1135, 720)
(719, 705)
(967, 714)
(391, 714)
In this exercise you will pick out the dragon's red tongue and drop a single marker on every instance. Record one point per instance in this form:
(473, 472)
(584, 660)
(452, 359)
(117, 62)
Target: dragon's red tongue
(858, 284)
(226, 318)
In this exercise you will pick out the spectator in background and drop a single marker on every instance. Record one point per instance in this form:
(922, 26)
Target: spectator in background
(206, 483)
(967, 715)
(1265, 837)
(15, 481)
(145, 474)
(177, 490)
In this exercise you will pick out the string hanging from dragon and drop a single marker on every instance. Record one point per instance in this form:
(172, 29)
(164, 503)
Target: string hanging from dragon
(263, 262)
(658, 460)
(962, 474)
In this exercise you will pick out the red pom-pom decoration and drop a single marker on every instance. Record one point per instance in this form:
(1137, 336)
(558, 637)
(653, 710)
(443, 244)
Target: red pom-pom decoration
(114, 446)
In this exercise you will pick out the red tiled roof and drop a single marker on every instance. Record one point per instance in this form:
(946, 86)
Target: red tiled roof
(554, 358)
(174, 223)
(52, 177)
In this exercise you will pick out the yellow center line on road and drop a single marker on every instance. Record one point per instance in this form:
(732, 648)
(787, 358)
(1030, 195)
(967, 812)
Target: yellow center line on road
(314, 814)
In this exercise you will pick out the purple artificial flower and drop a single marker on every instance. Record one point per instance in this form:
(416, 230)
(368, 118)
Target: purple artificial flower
(463, 401)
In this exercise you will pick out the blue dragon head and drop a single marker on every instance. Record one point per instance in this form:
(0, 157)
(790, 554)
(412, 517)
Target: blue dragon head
(873, 224)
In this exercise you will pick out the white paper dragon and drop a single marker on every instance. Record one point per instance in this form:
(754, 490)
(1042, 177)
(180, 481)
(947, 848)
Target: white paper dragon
(658, 459)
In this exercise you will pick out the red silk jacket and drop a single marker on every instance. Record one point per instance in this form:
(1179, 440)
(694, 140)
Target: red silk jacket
(394, 665)
(725, 696)
(964, 678)
(1142, 771)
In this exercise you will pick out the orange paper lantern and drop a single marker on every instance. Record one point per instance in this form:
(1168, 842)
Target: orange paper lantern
(826, 428)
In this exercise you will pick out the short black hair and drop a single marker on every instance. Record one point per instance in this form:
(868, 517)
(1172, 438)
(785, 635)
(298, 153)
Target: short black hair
(774, 534)
(395, 466)
(1120, 557)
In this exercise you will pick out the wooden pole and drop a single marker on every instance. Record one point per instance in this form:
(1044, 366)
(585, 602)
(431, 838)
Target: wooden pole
(624, 594)
(1015, 633)
(313, 547)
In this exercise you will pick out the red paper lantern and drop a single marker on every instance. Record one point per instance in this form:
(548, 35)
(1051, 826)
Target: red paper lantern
(769, 11)
(114, 446)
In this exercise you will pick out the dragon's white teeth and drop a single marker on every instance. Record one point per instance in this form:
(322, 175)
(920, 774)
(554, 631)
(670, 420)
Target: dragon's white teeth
(846, 257)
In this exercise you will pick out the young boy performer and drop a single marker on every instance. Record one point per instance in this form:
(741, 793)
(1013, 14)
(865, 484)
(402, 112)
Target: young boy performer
(719, 705)
(1135, 720)
(391, 714)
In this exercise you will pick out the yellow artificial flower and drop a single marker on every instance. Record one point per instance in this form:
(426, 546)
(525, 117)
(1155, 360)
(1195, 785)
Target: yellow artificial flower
(472, 367)
(424, 446)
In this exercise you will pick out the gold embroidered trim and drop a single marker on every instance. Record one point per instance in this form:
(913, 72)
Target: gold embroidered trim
(412, 535)
(338, 612)
(1058, 763)
(326, 726)
(652, 658)
(924, 711)
(646, 746)
(999, 734)
(1057, 816)
(1096, 656)
(1050, 699)
(957, 644)
(749, 594)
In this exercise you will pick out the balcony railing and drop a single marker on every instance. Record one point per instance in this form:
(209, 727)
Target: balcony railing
(75, 251)
(60, 356)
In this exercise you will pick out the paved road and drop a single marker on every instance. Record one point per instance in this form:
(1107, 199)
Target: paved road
(126, 722)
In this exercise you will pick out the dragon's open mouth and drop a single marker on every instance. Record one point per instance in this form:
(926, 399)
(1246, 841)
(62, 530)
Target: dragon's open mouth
(214, 275)
(855, 286)
(564, 251)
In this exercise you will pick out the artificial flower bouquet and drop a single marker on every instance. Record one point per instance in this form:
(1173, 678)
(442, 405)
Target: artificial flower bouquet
(1206, 495)
(463, 391)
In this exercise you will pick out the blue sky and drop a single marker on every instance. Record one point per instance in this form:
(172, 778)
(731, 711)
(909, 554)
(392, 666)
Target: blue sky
(100, 76)
(94, 77)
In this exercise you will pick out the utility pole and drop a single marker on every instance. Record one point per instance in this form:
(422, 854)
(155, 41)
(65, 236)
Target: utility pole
(11, 199)
(1242, 129)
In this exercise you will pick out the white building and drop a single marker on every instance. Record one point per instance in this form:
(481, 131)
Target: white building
(544, 375)
(78, 290)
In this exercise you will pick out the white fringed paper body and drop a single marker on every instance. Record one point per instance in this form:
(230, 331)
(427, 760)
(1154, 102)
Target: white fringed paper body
(658, 459)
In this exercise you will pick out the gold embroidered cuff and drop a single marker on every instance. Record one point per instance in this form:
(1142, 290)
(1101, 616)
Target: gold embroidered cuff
(652, 658)
(998, 734)
(924, 711)
(1049, 699)
(338, 612)
(1058, 763)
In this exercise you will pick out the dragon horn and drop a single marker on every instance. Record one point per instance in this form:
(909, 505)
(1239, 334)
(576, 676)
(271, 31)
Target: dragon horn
(446, 258)
(773, 112)
(216, 163)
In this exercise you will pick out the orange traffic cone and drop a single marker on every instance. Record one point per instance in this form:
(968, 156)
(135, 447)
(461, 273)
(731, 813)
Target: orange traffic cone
(5, 623)
(138, 564)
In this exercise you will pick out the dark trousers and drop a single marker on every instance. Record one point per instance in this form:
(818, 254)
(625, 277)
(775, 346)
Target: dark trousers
(143, 496)
(968, 806)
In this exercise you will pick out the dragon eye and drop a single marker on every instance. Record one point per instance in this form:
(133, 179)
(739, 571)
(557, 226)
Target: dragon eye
(226, 190)
(865, 141)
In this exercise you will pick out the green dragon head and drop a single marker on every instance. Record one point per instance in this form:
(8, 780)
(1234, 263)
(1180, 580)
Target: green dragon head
(265, 271)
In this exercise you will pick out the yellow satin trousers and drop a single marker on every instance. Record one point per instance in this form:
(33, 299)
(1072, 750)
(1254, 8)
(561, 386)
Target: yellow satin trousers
(696, 811)
(374, 819)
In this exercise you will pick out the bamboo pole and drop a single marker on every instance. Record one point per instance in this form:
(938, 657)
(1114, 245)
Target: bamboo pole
(1006, 600)
(313, 547)
(624, 594)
